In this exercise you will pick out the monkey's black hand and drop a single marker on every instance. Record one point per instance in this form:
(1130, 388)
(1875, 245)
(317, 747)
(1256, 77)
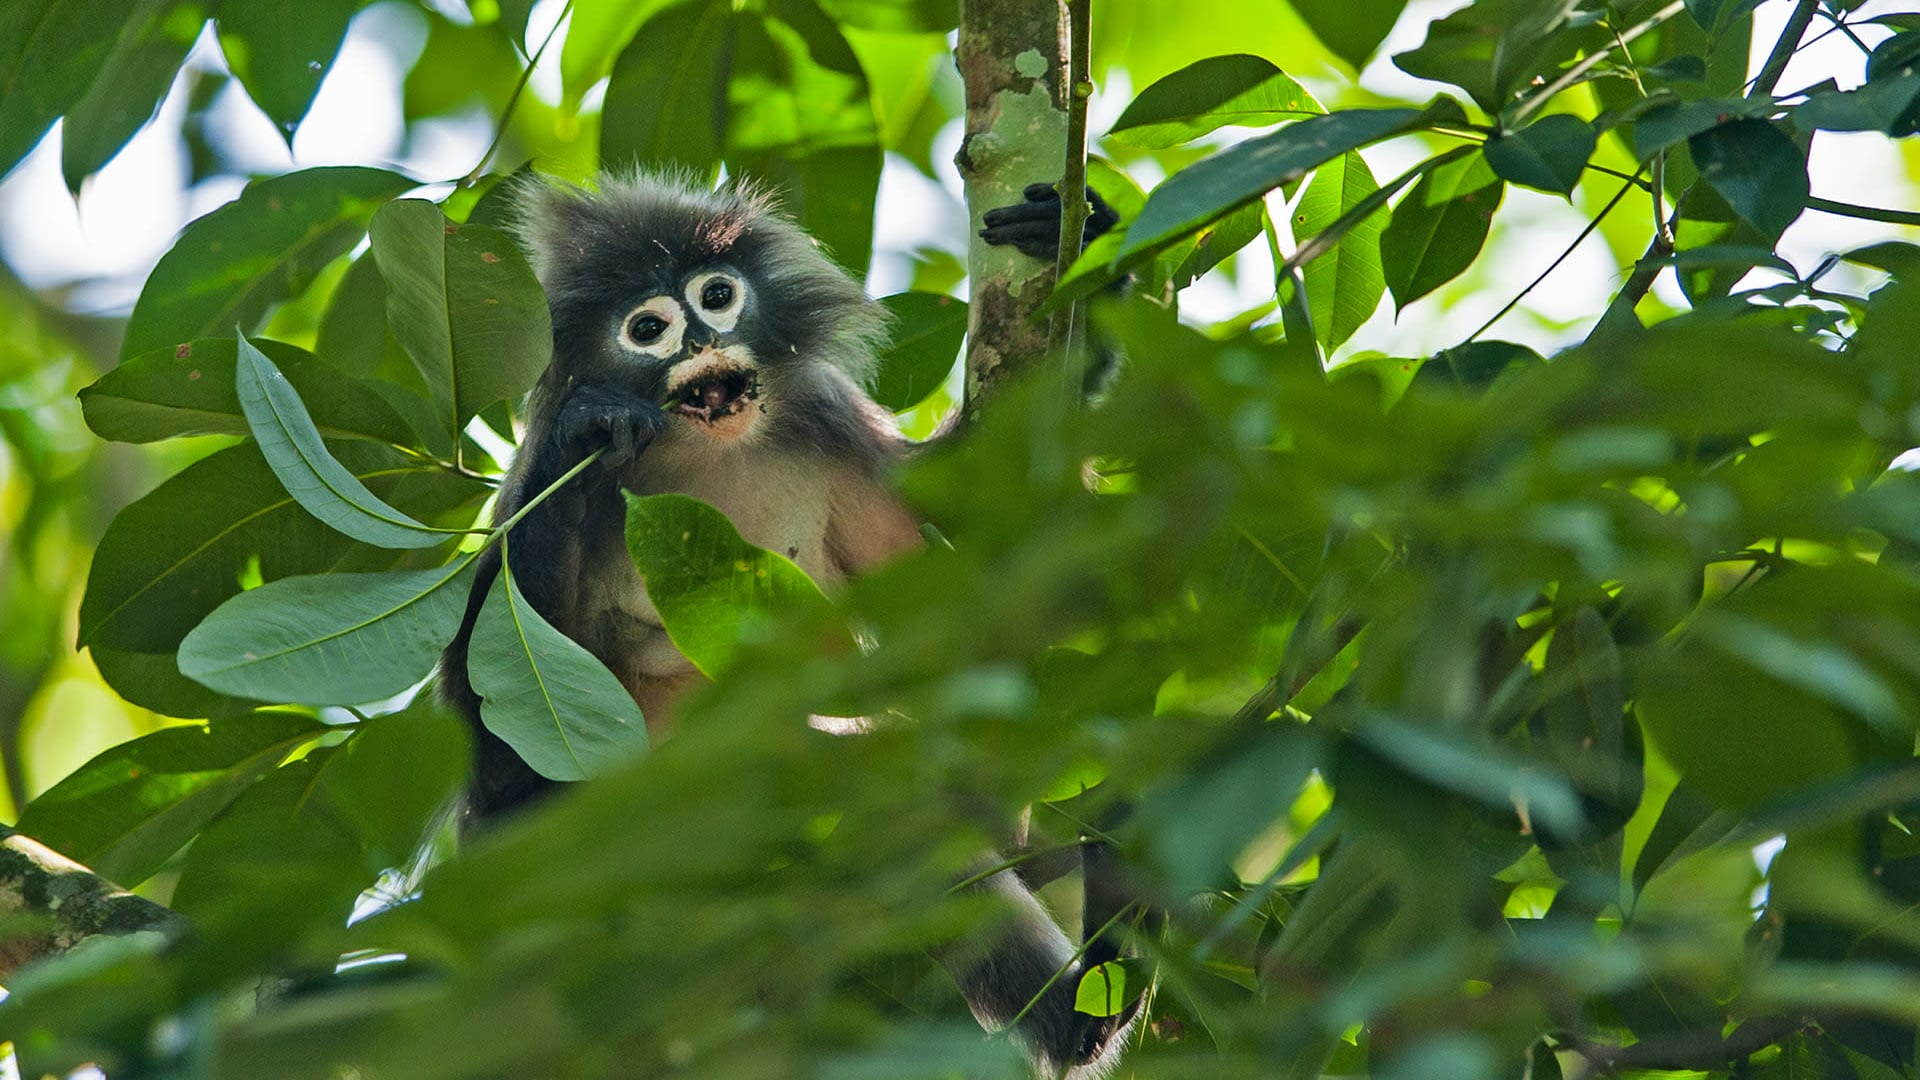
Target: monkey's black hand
(1033, 227)
(597, 416)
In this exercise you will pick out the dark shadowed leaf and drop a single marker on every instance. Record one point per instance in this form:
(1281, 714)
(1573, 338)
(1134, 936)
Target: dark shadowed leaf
(233, 264)
(927, 330)
(132, 82)
(1757, 169)
(1343, 286)
(464, 303)
(550, 699)
(1876, 106)
(1210, 94)
(280, 52)
(292, 446)
(1438, 229)
(1663, 125)
(125, 812)
(714, 591)
(1549, 154)
(187, 389)
(395, 776)
(334, 639)
(1224, 182)
(1351, 29)
(669, 106)
(50, 52)
(152, 680)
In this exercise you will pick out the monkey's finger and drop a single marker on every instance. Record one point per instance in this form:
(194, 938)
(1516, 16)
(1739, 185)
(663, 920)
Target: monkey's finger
(1039, 239)
(1041, 193)
(620, 448)
(1019, 212)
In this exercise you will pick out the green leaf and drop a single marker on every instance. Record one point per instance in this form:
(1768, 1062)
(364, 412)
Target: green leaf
(50, 52)
(187, 389)
(1549, 154)
(1438, 229)
(895, 16)
(1663, 125)
(392, 780)
(1586, 718)
(125, 812)
(713, 590)
(598, 32)
(173, 556)
(1757, 169)
(1343, 286)
(1491, 48)
(1476, 769)
(132, 82)
(1102, 990)
(1213, 244)
(1876, 106)
(546, 696)
(152, 680)
(464, 303)
(1350, 29)
(235, 263)
(281, 52)
(1210, 94)
(330, 639)
(927, 331)
(670, 106)
(292, 446)
(1218, 185)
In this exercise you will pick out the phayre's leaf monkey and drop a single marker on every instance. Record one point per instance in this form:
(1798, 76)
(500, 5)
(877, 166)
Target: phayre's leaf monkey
(703, 341)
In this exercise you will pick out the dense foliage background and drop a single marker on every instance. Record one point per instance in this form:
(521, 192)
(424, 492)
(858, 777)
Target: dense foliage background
(1453, 712)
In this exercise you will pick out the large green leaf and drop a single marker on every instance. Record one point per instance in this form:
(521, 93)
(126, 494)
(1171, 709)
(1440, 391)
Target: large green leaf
(1757, 169)
(233, 264)
(895, 16)
(330, 639)
(713, 590)
(292, 446)
(132, 82)
(550, 699)
(927, 331)
(1351, 29)
(464, 303)
(1438, 229)
(596, 35)
(394, 778)
(1343, 286)
(187, 389)
(174, 555)
(669, 105)
(280, 52)
(1666, 124)
(125, 812)
(1210, 94)
(1549, 154)
(1220, 184)
(50, 52)
(1492, 48)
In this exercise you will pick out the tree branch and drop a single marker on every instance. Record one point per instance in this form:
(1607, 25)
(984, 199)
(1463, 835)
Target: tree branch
(61, 902)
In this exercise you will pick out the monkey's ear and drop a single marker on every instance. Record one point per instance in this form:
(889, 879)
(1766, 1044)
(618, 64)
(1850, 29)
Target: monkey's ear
(546, 212)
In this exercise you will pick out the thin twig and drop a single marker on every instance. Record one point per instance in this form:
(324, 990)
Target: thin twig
(1864, 213)
(513, 102)
(1073, 177)
(1555, 265)
(1587, 63)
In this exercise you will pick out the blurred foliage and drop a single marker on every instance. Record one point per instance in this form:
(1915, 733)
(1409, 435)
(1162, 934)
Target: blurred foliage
(1443, 712)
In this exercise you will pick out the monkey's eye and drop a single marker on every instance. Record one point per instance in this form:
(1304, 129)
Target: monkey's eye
(717, 298)
(646, 328)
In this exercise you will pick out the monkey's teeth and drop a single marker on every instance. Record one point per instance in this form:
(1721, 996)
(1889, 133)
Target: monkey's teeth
(716, 395)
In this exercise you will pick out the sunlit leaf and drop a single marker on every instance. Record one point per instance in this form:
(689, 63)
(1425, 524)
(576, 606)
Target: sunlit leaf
(1209, 94)
(333, 639)
(1343, 286)
(1351, 29)
(713, 590)
(1102, 990)
(233, 264)
(291, 444)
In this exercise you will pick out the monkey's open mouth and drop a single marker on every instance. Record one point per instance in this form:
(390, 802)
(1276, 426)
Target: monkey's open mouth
(714, 393)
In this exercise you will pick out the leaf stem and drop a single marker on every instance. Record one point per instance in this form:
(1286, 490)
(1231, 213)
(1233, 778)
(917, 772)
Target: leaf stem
(513, 102)
(1591, 60)
(1864, 213)
(501, 529)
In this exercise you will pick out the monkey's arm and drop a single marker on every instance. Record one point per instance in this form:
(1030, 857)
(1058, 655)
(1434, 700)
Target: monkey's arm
(1033, 226)
(578, 527)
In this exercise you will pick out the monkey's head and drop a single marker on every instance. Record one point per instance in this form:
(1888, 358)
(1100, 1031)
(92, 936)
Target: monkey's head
(711, 303)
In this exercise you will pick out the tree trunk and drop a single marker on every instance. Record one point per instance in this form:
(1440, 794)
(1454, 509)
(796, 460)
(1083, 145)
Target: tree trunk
(1013, 60)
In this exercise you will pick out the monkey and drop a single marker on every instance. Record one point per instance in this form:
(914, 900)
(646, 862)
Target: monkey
(706, 346)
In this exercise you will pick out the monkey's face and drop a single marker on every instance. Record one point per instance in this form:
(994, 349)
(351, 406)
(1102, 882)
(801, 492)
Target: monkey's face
(693, 351)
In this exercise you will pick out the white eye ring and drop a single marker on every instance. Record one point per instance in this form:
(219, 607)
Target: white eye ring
(727, 314)
(654, 328)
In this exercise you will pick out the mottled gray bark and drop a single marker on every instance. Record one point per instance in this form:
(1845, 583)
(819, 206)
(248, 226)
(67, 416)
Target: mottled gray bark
(1013, 60)
(48, 903)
